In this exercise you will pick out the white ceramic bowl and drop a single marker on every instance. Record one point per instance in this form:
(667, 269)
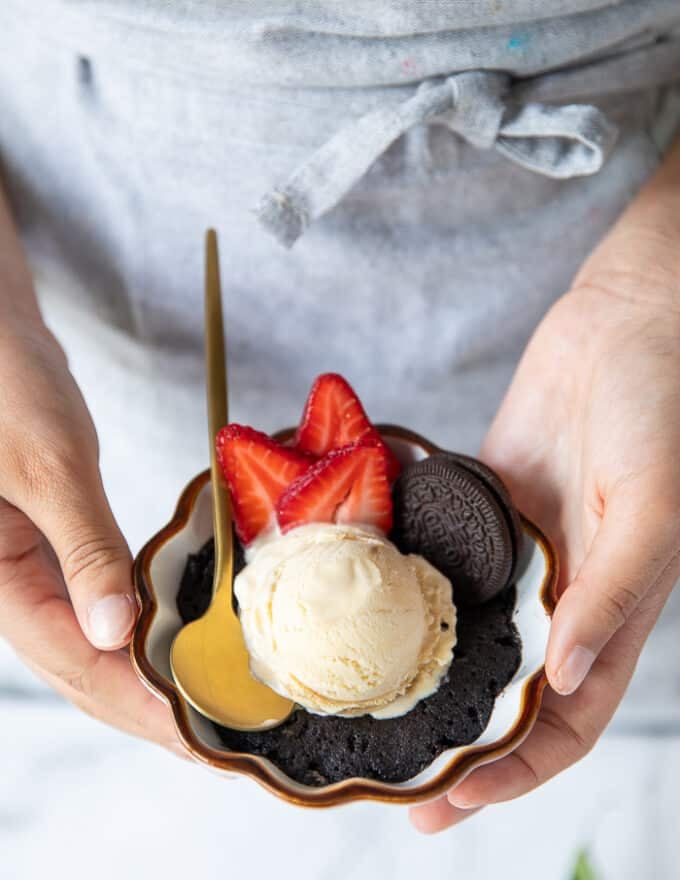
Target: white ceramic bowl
(158, 570)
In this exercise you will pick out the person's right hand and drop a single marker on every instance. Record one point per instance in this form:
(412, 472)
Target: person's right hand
(66, 599)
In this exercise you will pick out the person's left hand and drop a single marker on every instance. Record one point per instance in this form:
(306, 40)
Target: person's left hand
(588, 439)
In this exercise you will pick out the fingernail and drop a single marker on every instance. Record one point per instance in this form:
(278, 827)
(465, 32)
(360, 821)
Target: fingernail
(110, 620)
(458, 800)
(571, 673)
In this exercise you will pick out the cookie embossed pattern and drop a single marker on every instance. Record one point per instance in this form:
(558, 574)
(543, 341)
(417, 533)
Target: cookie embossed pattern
(454, 517)
(480, 704)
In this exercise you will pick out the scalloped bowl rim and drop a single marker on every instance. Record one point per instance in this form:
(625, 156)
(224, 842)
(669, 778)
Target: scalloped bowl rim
(450, 767)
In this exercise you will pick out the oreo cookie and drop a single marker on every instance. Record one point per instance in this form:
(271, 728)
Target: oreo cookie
(452, 516)
(494, 482)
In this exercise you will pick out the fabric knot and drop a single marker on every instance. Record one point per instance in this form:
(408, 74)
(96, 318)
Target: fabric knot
(556, 141)
(477, 106)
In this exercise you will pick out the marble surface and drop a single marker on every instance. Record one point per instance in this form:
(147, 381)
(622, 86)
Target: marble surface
(79, 800)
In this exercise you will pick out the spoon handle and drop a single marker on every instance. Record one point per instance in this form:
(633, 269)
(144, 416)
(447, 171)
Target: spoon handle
(216, 373)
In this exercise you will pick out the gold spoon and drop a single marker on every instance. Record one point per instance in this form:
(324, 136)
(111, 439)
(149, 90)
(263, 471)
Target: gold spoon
(209, 658)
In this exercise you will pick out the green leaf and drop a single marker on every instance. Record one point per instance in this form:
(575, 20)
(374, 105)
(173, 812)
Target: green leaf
(583, 870)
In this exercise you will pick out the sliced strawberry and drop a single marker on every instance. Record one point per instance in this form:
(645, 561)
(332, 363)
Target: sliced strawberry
(334, 417)
(391, 461)
(348, 485)
(257, 469)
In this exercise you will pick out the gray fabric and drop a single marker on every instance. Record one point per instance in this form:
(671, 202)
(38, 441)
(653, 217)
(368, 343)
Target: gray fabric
(127, 128)
(484, 109)
(559, 142)
(318, 43)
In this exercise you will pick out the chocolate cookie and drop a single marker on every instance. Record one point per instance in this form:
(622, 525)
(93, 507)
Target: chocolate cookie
(494, 482)
(195, 590)
(449, 515)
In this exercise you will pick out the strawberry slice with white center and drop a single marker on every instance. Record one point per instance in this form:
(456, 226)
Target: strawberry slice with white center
(348, 485)
(334, 417)
(258, 470)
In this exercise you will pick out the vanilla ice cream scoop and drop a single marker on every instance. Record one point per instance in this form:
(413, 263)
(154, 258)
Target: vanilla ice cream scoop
(337, 619)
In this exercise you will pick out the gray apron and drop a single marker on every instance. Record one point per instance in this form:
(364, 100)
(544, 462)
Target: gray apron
(419, 160)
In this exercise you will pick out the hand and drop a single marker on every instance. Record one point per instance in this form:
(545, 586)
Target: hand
(587, 439)
(66, 598)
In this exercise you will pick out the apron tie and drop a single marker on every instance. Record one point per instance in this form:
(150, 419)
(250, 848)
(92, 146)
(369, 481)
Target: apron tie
(556, 141)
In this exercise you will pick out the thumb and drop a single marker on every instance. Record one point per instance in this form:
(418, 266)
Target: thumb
(93, 556)
(634, 549)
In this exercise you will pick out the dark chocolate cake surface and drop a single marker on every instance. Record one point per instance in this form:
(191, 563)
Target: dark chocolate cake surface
(319, 750)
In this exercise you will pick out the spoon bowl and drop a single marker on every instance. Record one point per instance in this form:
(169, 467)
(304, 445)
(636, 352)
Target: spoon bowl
(210, 665)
